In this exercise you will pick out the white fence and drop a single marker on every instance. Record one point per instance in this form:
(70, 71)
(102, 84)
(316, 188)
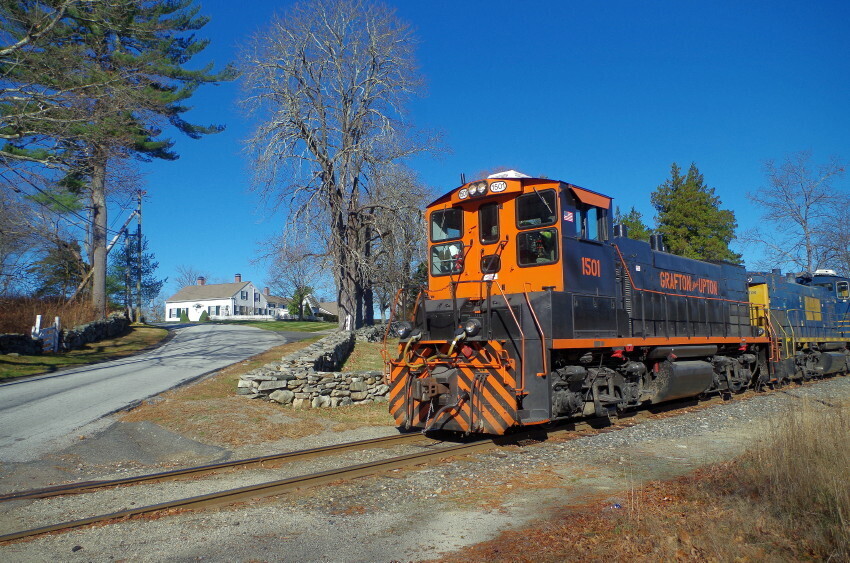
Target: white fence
(49, 335)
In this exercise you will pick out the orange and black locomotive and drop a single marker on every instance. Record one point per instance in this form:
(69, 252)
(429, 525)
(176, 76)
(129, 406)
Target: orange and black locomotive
(538, 308)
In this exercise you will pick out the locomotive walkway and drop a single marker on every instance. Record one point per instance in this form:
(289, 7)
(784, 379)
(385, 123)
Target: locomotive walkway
(41, 414)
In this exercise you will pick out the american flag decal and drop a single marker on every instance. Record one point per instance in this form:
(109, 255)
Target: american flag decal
(568, 216)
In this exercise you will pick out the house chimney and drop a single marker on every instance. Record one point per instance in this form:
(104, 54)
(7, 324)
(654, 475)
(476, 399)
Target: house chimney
(202, 280)
(266, 291)
(237, 278)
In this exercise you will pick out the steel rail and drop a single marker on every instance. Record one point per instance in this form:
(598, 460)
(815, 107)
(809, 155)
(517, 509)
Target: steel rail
(266, 489)
(88, 486)
(272, 488)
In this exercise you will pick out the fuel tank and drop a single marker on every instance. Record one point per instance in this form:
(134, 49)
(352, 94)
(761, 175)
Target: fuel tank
(676, 380)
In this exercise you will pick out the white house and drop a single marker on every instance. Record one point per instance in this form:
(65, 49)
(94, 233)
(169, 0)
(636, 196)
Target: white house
(225, 301)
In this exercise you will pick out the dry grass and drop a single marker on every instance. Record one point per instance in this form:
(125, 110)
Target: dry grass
(366, 356)
(139, 338)
(210, 411)
(680, 520)
(785, 500)
(801, 472)
(17, 314)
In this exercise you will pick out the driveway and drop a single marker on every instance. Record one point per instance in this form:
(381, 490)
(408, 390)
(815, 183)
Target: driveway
(41, 414)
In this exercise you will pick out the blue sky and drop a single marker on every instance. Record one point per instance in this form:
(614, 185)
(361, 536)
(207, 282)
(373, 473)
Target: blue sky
(605, 95)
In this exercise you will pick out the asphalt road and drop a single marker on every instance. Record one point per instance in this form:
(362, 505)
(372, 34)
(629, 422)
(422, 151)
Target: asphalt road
(40, 414)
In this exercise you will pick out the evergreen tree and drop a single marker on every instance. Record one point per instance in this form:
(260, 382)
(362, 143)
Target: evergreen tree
(296, 306)
(118, 69)
(59, 271)
(633, 221)
(690, 217)
(124, 271)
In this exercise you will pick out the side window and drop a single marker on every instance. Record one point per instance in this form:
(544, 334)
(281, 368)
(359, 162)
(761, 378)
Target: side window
(537, 247)
(488, 221)
(592, 223)
(446, 259)
(446, 225)
(842, 290)
(537, 209)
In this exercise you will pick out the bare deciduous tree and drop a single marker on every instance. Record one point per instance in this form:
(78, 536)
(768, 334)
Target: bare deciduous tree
(294, 269)
(328, 82)
(797, 202)
(395, 221)
(188, 275)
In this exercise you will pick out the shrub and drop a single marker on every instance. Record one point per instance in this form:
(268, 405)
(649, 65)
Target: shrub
(184, 316)
(205, 318)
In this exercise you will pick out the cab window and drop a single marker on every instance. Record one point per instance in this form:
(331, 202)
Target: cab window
(488, 221)
(446, 259)
(591, 223)
(446, 225)
(842, 290)
(535, 248)
(536, 209)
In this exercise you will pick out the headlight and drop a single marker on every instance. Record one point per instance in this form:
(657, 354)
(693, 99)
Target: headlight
(482, 187)
(404, 329)
(472, 327)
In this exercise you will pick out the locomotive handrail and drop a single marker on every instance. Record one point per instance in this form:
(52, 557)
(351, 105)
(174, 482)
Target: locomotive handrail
(521, 388)
(542, 334)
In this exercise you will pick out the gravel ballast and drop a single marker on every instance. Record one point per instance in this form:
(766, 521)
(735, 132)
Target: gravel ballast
(414, 513)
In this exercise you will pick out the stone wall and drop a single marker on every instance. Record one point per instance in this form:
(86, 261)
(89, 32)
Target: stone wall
(72, 339)
(113, 326)
(307, 378)
(19, 344)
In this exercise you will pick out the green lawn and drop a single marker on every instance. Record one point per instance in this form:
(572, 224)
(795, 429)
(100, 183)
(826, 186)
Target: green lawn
(139, 338)
(283, 326)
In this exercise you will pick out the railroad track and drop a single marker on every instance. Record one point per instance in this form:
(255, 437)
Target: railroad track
(88, 486)
(574, 429)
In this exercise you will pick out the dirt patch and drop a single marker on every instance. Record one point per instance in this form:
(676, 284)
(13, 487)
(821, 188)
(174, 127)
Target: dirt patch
(210, 411)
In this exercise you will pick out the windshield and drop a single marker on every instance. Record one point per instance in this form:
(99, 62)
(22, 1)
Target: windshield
(536, 209)
(446, 225)
(446, 259)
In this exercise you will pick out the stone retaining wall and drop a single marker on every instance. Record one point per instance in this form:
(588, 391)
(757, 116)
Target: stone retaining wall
(306, 379)
(113, 326)
(72, 339)
(19, 344)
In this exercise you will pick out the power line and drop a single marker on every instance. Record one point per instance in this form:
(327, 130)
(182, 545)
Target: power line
(68, 209)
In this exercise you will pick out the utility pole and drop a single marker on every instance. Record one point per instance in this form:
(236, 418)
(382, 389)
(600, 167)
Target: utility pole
(128, 267)
(139, 259)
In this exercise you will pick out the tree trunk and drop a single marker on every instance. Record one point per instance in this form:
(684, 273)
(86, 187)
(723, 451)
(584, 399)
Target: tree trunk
(98, 264)
(358, 295)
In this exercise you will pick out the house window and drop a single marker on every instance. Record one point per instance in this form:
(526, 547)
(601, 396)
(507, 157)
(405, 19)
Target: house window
(272, 305)
(256, 298)
(218, 309)
(243, 295)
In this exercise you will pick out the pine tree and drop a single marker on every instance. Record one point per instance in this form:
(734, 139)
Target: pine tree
(690, 218)
(633, 221)
(124, 271)
(118, 69)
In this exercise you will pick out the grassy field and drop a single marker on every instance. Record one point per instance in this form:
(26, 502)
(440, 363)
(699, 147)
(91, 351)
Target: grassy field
(284, 326)
(139, 338)
(211, 412)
